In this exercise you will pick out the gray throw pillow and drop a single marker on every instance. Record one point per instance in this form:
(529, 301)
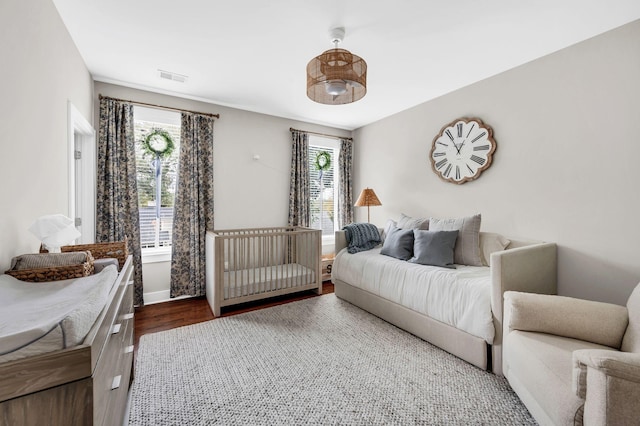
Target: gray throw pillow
(467, 251)
(434, 248)
(398, 244)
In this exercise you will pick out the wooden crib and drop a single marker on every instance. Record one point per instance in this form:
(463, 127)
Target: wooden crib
(244, 265)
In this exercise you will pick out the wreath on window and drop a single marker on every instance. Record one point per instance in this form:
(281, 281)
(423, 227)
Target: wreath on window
(158, 143)
(323, 161)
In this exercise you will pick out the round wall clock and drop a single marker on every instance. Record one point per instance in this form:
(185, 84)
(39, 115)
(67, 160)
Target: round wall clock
(462, 150)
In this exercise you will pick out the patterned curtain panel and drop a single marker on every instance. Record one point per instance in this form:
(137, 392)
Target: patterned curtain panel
(345, 189)
(116, 191)
(299, 189)
(193, 207)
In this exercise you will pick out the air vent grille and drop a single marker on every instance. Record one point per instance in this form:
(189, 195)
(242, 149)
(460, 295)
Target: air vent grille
(168, 75)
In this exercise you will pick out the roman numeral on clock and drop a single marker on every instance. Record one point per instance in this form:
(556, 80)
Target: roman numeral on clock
(481, 148)
(478, 160)
(448, 170)
(441, 163)
(448, 132)
(457, 172)
(459, 126)
(481, 135)
(438, 154)
(472, 126)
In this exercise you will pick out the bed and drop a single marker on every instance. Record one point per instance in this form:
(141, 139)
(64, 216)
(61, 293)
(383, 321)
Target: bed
(67, 349)
(249, 264)
(459, 310)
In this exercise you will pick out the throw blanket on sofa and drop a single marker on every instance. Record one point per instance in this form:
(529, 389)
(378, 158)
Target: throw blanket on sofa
(361, 237)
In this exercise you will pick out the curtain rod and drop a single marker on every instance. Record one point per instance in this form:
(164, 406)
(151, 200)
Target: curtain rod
(161, 106)
(291, 129)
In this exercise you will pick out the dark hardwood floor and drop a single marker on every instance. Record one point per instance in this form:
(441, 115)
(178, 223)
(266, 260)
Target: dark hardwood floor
(178, 313)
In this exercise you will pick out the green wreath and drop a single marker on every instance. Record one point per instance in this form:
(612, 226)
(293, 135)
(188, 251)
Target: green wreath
(158, 143)
(323, 161)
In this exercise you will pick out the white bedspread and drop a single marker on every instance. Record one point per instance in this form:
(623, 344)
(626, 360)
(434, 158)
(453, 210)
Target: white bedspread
(459, 297)
(42, 317)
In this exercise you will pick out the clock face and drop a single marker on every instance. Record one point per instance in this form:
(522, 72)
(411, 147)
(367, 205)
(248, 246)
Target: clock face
(462, 150)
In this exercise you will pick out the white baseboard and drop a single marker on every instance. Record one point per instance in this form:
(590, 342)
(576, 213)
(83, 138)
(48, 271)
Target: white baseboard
(160, 297)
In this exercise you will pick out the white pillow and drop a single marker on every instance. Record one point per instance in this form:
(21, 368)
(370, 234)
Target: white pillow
(491, 242)
(467, 251)
(408, 222)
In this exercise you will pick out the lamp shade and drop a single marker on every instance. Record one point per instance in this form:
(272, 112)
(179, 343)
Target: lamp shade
(336, 77)
(367, 198)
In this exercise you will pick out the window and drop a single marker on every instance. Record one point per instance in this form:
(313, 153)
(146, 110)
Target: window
(157, 174)
(323, 177)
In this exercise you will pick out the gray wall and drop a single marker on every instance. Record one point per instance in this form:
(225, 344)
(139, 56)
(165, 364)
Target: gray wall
(566, 168)
(41, 71)
(247, 193)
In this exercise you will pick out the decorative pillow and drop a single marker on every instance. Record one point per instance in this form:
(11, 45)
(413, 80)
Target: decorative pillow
(47, 260)
(387, 228)
(490, 243)
(467, 251)
(398, 244)
(434, 248)
(407, 222)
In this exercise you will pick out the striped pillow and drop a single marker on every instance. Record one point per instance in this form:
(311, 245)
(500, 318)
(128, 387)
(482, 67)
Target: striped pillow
(47, 260)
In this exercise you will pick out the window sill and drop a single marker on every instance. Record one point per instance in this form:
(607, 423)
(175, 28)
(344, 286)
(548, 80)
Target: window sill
(153, 255)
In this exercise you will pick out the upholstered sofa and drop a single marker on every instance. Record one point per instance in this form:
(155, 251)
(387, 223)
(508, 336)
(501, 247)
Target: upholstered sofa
(404, 293)
(573, 361)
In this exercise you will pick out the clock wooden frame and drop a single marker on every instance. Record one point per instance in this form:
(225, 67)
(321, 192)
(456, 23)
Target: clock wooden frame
(439, 168)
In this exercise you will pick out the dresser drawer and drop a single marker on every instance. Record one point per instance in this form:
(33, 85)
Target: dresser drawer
(112, 374)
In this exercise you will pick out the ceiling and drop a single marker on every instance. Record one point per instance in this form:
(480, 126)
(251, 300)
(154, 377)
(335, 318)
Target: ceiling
(252, 54)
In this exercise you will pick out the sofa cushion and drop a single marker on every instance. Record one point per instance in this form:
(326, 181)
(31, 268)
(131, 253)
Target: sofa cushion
(408, 222)
(434, 248)
(596, 322)
(490, 242)
(398, 243)
(539, 368)
(467, 251)
(631, 339)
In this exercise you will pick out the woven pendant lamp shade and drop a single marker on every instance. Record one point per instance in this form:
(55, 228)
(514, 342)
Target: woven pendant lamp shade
(336, 77)
(367, 198)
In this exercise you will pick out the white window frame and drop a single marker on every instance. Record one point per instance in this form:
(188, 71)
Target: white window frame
(333, 144)
(156, 254)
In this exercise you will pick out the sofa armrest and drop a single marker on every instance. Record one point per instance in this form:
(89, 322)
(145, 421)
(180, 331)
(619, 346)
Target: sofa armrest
(596, 322)
(340, 241)
(609, 382)
(531, 268)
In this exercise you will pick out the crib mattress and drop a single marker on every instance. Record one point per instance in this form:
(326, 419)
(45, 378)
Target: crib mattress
(245, 282)
(36, 318)
(459, 297)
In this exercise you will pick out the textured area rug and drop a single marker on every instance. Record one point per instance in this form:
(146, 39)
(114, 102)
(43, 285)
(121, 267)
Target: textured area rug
(316, 361)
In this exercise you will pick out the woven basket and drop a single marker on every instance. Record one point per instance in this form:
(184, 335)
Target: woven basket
(55, 273)
(117, 250)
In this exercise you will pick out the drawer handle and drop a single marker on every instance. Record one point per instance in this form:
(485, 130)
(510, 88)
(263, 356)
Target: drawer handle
(116, 382)
(127, 316)
(128, 349)
(116, 329)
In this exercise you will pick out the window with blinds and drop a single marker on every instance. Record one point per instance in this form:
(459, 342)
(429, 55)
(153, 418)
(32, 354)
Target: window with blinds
(323, 167)
(156, 212)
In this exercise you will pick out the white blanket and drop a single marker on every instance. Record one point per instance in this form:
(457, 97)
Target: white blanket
(41, 317)
(459, 297)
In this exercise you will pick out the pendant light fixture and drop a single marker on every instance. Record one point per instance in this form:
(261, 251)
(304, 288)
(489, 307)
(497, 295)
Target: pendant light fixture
(337, 76)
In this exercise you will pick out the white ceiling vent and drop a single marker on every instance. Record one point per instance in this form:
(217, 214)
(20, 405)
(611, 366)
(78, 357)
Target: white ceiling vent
(168, 75)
